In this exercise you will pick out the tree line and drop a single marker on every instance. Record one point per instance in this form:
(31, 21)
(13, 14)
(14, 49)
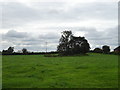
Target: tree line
(106, 50)
(24, 51)
(10, 50)
(68, 45)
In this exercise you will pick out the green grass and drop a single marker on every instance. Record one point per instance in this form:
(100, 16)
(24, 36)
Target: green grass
(0, 71)
(37, 71)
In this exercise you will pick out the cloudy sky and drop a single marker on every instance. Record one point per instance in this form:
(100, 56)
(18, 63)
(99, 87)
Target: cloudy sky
(28, 24)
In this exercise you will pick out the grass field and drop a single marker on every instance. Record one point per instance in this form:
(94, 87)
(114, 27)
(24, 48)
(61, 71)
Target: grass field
(37, 71)
(0, 72)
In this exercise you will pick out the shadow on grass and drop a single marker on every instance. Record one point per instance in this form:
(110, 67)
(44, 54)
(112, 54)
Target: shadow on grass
(57, 55)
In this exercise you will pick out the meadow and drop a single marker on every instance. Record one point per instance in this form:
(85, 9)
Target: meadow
(37, 71)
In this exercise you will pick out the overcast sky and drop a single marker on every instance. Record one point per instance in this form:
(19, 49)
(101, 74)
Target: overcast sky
(28, 24)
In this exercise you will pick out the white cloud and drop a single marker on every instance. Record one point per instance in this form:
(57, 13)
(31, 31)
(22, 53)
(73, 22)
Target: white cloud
(34, 23)
(94, 14)
(31, 41)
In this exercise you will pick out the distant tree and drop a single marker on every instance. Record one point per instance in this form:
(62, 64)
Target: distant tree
(24, 50)
(4, 52)
(117, 50)
(10, 50)
(69, 44)
(106, 49)
(64, 42)
(0, 52)
(98, 50)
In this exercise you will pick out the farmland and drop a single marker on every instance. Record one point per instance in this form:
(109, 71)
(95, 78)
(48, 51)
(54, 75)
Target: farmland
(37, 71)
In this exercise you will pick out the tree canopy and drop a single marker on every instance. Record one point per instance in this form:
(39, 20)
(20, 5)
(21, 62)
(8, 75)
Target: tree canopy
(98, 50)
(10, 50)
(24, 50)
(69, 44)
(106, 49)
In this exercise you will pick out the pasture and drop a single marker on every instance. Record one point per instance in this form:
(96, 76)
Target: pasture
(37, 71)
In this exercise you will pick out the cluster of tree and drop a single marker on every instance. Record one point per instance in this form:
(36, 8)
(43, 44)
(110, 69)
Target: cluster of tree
(97, 50)
(117, 50)
(105, 49)
(70, 45)
(10, 51)
(24, 51)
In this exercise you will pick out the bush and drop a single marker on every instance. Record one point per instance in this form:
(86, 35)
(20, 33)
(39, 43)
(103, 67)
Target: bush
(98, 50)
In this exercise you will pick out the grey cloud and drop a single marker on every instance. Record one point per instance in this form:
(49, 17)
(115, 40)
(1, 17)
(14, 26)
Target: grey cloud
(18, 14)
(37, 42)
(97, 10)
(25, 40)
(106, 37)
(15, 34)
(50, 35)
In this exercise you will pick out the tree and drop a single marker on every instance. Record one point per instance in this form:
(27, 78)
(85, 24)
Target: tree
(64, 42)
(10, 50)
(24, 50)
(106, 49)
(69, 44)
(98, 50)
(117, 50)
